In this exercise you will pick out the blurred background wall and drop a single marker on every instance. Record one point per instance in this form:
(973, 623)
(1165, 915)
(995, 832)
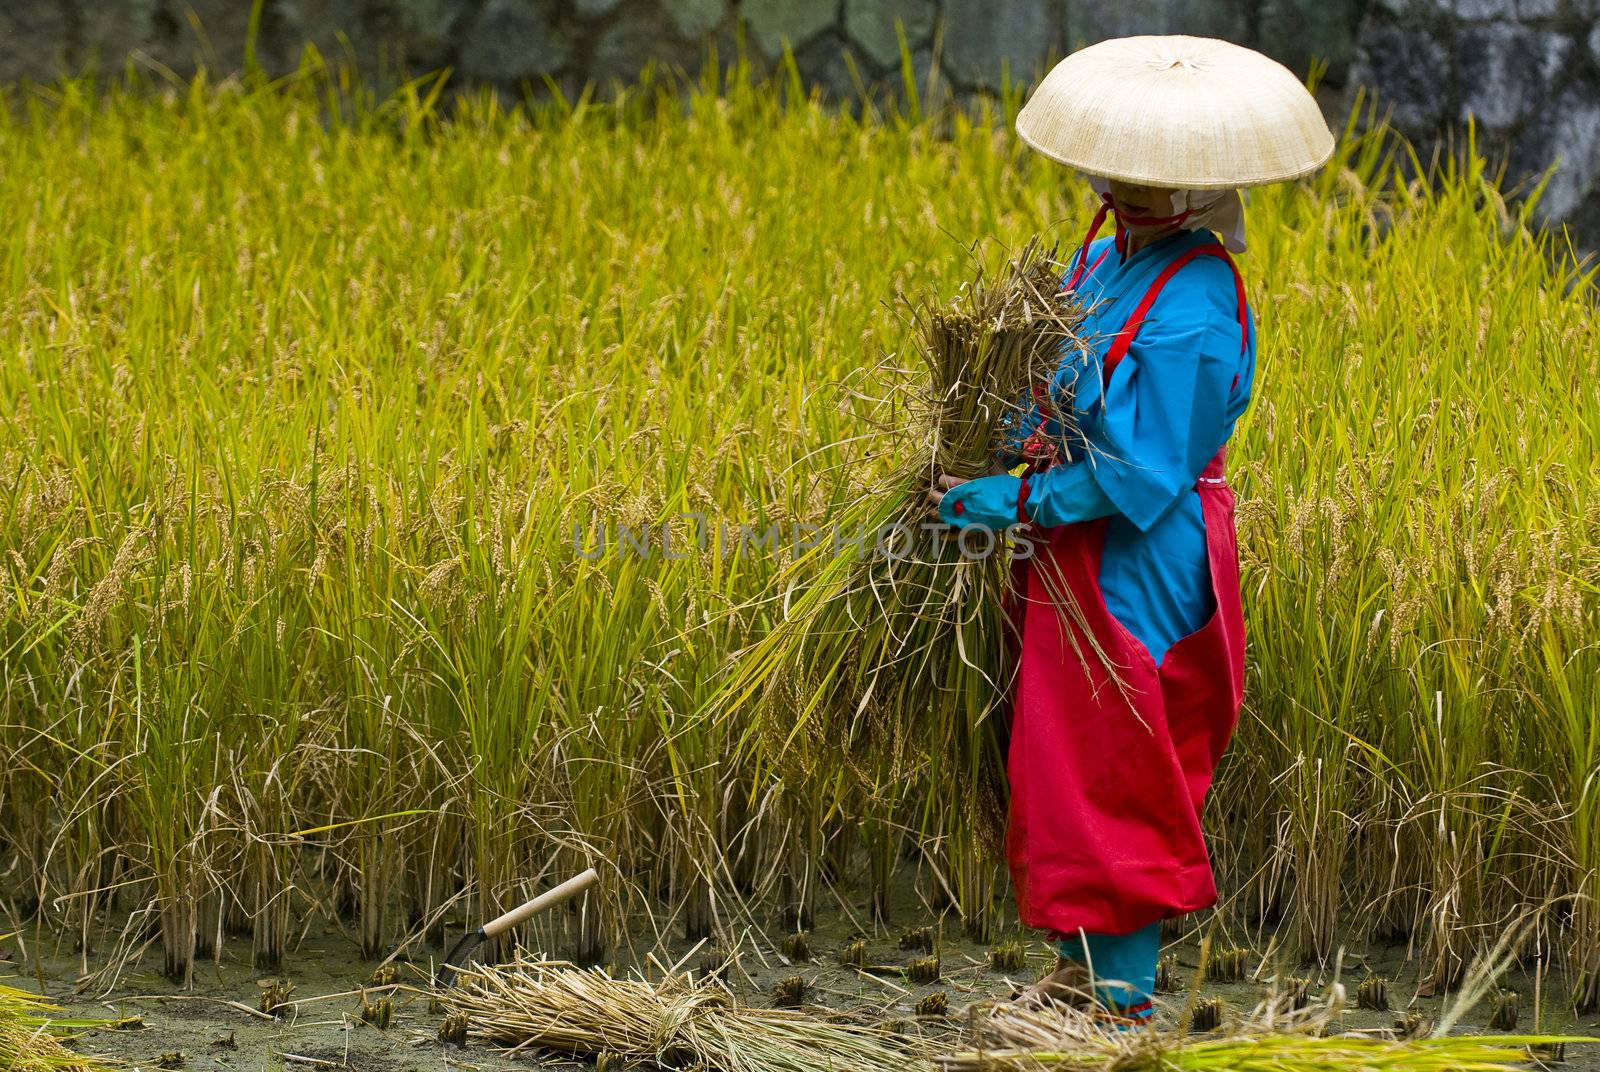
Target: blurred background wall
(1527, 71)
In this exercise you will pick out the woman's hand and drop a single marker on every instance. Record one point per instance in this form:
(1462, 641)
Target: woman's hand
(943, 483)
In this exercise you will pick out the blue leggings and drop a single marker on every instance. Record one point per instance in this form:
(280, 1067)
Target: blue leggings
(1124, 966)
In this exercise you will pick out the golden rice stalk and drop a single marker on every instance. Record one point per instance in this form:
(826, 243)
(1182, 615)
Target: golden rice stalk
(899, 640)
(531, 1005)
(29, 1039)
(1013, 1039)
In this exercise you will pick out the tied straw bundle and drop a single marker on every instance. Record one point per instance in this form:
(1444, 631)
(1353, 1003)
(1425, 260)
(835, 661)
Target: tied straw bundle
(889, 661)
(533, 1004)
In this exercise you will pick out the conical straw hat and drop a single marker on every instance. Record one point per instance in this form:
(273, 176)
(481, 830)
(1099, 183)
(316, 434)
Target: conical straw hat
(1182, 112)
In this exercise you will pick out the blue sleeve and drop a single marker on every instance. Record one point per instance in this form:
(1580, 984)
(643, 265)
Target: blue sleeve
(1064, 494)
(1166, 409)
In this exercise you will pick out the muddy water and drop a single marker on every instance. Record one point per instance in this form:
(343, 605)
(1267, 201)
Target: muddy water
(214, 1026)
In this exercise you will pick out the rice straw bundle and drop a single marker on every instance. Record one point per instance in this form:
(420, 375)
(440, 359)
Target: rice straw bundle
(28, 1037)
(890, 658)
(1012, 1039)
(533, 1004)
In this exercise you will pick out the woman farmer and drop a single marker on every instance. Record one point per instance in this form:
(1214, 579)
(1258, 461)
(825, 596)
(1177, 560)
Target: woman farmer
(1111, 754)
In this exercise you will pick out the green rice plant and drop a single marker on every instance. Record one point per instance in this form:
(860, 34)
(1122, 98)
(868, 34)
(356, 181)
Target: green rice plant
(265, 753)
(303, 394)
(1402, 528)
(1569, 726)
(175, 755)
(362, 651)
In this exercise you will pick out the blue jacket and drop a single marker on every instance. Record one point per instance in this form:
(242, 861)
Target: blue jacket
(1170, 405)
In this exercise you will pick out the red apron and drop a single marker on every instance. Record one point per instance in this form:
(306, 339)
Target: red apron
(1107, 781)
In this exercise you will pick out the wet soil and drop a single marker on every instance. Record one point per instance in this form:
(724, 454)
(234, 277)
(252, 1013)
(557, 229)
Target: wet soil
(215, 1024)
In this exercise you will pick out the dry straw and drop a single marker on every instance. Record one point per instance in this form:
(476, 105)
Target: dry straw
(534, 1005)
(29, 1039)
(1283, 1033)
(1010, 1038)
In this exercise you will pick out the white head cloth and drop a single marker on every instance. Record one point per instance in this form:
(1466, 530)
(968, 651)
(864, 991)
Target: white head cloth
(1221, 211)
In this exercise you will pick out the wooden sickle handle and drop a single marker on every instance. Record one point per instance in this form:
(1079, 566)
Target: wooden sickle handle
(548, 899)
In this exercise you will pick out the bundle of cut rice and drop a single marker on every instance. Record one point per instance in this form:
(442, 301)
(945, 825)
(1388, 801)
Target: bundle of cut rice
(1009, 1038)
(29, 1037)
(535, 1004)
(891, 659)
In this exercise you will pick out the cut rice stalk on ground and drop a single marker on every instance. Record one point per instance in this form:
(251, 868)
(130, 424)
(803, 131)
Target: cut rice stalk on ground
(29, 1036)
(1012, 1039)
(531, 1005)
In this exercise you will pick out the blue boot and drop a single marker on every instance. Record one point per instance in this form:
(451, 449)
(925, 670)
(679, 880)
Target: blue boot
(1124, 971)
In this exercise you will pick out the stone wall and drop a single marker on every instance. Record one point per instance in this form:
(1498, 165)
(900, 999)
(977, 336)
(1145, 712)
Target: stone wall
(1525, 72)
(511, 42)
(1528, 71)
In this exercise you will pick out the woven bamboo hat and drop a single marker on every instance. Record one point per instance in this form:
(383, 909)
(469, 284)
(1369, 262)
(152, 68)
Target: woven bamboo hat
(1189, 113)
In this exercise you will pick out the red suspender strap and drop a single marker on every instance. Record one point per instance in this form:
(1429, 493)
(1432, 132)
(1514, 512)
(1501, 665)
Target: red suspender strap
(1124, 339)
(1083, 250)
(1098, 259)
(1084, 267)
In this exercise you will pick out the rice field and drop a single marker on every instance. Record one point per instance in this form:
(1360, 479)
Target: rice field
(383, 497)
